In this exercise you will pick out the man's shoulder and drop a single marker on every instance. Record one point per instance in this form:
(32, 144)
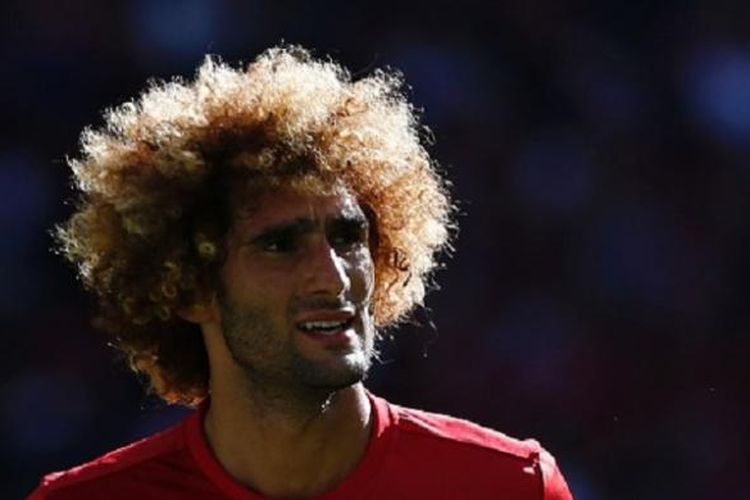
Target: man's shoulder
(146, 456)
(490, 460)
(465, 434)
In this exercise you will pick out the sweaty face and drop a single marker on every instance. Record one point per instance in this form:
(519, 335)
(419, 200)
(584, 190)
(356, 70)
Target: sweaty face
(297, 286)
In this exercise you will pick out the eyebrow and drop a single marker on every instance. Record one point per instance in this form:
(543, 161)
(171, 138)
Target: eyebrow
(348, 222)
(303, 225)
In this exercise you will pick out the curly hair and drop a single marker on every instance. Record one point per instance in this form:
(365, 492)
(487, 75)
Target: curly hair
(153, 186)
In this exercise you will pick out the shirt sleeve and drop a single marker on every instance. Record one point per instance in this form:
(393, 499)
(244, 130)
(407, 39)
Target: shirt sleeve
(39, 493)
(555, 487)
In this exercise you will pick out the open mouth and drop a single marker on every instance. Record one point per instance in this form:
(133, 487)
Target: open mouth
(330, 327)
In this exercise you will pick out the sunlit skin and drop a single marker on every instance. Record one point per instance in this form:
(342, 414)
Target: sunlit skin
(289, 416)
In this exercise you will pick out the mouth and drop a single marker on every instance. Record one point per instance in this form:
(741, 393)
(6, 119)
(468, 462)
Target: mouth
(328, 328)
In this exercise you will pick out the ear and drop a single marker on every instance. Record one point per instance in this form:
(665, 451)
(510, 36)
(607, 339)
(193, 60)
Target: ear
(201, 312)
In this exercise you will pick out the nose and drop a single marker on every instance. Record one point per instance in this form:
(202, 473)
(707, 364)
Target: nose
(325, 271)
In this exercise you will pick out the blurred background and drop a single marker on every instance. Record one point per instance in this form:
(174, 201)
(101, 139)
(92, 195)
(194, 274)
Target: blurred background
(596, 299)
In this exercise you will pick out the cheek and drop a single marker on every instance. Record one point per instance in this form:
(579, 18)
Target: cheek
(362, 274)
(250, 282)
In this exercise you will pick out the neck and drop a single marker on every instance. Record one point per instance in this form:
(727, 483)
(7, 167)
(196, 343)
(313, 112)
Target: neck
(285, 444)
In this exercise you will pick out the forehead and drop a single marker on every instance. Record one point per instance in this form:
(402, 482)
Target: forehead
(278, 205)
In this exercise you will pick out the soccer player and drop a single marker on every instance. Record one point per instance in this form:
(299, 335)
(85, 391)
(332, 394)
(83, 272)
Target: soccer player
(247, 235)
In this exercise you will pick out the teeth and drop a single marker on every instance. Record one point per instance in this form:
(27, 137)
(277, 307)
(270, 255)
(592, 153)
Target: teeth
(322, 325)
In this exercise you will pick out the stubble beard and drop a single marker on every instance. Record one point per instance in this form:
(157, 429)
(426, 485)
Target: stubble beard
(274, 368)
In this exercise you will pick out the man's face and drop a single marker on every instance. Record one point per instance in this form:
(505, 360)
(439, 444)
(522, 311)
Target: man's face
(297, 288)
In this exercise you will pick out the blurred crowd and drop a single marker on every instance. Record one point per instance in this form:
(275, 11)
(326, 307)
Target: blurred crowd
(596, 297)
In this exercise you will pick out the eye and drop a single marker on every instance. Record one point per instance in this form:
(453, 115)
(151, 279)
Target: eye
(279, 245)
(278, 242)
(349, 236)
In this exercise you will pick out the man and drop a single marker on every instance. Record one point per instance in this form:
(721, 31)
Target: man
(246, 235)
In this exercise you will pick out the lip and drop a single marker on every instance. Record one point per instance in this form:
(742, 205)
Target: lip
(342, 338)
(326, 315)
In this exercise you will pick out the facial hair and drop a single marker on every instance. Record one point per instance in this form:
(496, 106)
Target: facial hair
(274, 367)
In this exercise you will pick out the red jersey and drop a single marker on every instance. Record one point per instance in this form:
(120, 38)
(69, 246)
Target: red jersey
(411, 454)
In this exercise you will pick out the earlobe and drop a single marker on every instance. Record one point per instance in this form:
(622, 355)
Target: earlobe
(200, 312)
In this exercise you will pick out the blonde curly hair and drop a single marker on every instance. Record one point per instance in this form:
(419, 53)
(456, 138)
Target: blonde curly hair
(153, 188)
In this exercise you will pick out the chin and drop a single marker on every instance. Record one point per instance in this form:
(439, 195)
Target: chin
(333, 377)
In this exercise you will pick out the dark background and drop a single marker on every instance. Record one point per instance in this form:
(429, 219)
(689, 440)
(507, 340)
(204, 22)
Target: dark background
(597, 296)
